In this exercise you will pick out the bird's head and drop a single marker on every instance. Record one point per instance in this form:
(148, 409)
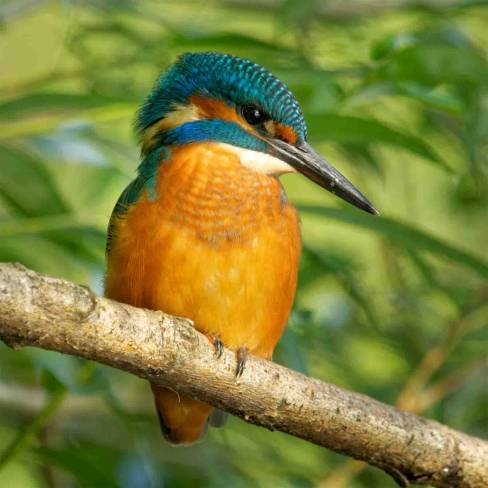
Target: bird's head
(222, 98)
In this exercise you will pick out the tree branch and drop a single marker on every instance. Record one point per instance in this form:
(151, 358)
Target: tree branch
(37, 310)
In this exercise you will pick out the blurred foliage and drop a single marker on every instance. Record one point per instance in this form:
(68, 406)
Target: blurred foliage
(396, 94)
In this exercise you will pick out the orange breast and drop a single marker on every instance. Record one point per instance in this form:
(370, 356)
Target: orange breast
(220, 245)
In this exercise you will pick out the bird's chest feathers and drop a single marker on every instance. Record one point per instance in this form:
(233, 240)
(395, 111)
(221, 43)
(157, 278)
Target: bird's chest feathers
(219, 244)
(205, 190)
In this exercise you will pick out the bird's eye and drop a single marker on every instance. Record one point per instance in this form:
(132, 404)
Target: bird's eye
(254, 115)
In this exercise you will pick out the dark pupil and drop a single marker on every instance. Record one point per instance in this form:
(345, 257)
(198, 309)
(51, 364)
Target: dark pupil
(254, 115)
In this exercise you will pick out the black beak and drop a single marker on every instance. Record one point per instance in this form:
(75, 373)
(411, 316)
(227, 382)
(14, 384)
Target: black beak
(306, 161)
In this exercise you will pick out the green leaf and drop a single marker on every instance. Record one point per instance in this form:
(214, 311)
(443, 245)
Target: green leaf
(26, 185)
(290, 350)
(225, 40)
(431, 57)
(44, 255)
(38, 209)
(434, 97)
(15, 227)
(346, 128)
(344, 269)
(77, 375)
(437, 64)
(403, 234)
(91, 464)
(439, 97)
(36, 103)
(51, 383)
(391, 44)
(44, 112)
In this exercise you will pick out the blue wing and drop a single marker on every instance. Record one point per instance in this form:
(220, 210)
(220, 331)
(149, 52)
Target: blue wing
(129, 196)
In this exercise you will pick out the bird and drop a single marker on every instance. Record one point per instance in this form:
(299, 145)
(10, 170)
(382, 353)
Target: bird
(205, 230)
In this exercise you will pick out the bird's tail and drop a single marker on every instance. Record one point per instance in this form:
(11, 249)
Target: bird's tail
(183, 420)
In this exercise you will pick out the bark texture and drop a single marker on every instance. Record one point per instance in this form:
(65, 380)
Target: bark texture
(40, 311)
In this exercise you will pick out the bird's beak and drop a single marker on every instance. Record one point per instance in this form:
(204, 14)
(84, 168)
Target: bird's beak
(306, 161)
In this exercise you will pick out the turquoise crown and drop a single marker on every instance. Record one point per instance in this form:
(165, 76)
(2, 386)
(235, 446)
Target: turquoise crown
(236, 81)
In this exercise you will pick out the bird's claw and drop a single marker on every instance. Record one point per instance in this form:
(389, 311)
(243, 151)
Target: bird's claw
(218, 345)
(241, 353)
(241, 356)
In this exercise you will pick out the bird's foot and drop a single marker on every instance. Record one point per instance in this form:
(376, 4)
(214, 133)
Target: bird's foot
(218, 345)
(241, 356)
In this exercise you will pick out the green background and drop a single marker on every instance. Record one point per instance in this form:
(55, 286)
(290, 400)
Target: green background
(396, 96)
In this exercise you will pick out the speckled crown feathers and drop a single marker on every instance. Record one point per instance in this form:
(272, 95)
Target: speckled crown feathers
(235, 80)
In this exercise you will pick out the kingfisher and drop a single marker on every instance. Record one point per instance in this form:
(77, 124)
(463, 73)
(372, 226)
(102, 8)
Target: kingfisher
(205, 230)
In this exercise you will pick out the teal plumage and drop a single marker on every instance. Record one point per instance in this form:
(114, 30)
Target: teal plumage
(235, 80)
(145, 180)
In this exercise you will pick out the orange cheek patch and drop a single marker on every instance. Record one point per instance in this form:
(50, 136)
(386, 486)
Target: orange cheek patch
(286, 132)
(210, 108)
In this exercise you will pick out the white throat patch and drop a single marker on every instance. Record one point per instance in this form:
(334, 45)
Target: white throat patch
(260, 162)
